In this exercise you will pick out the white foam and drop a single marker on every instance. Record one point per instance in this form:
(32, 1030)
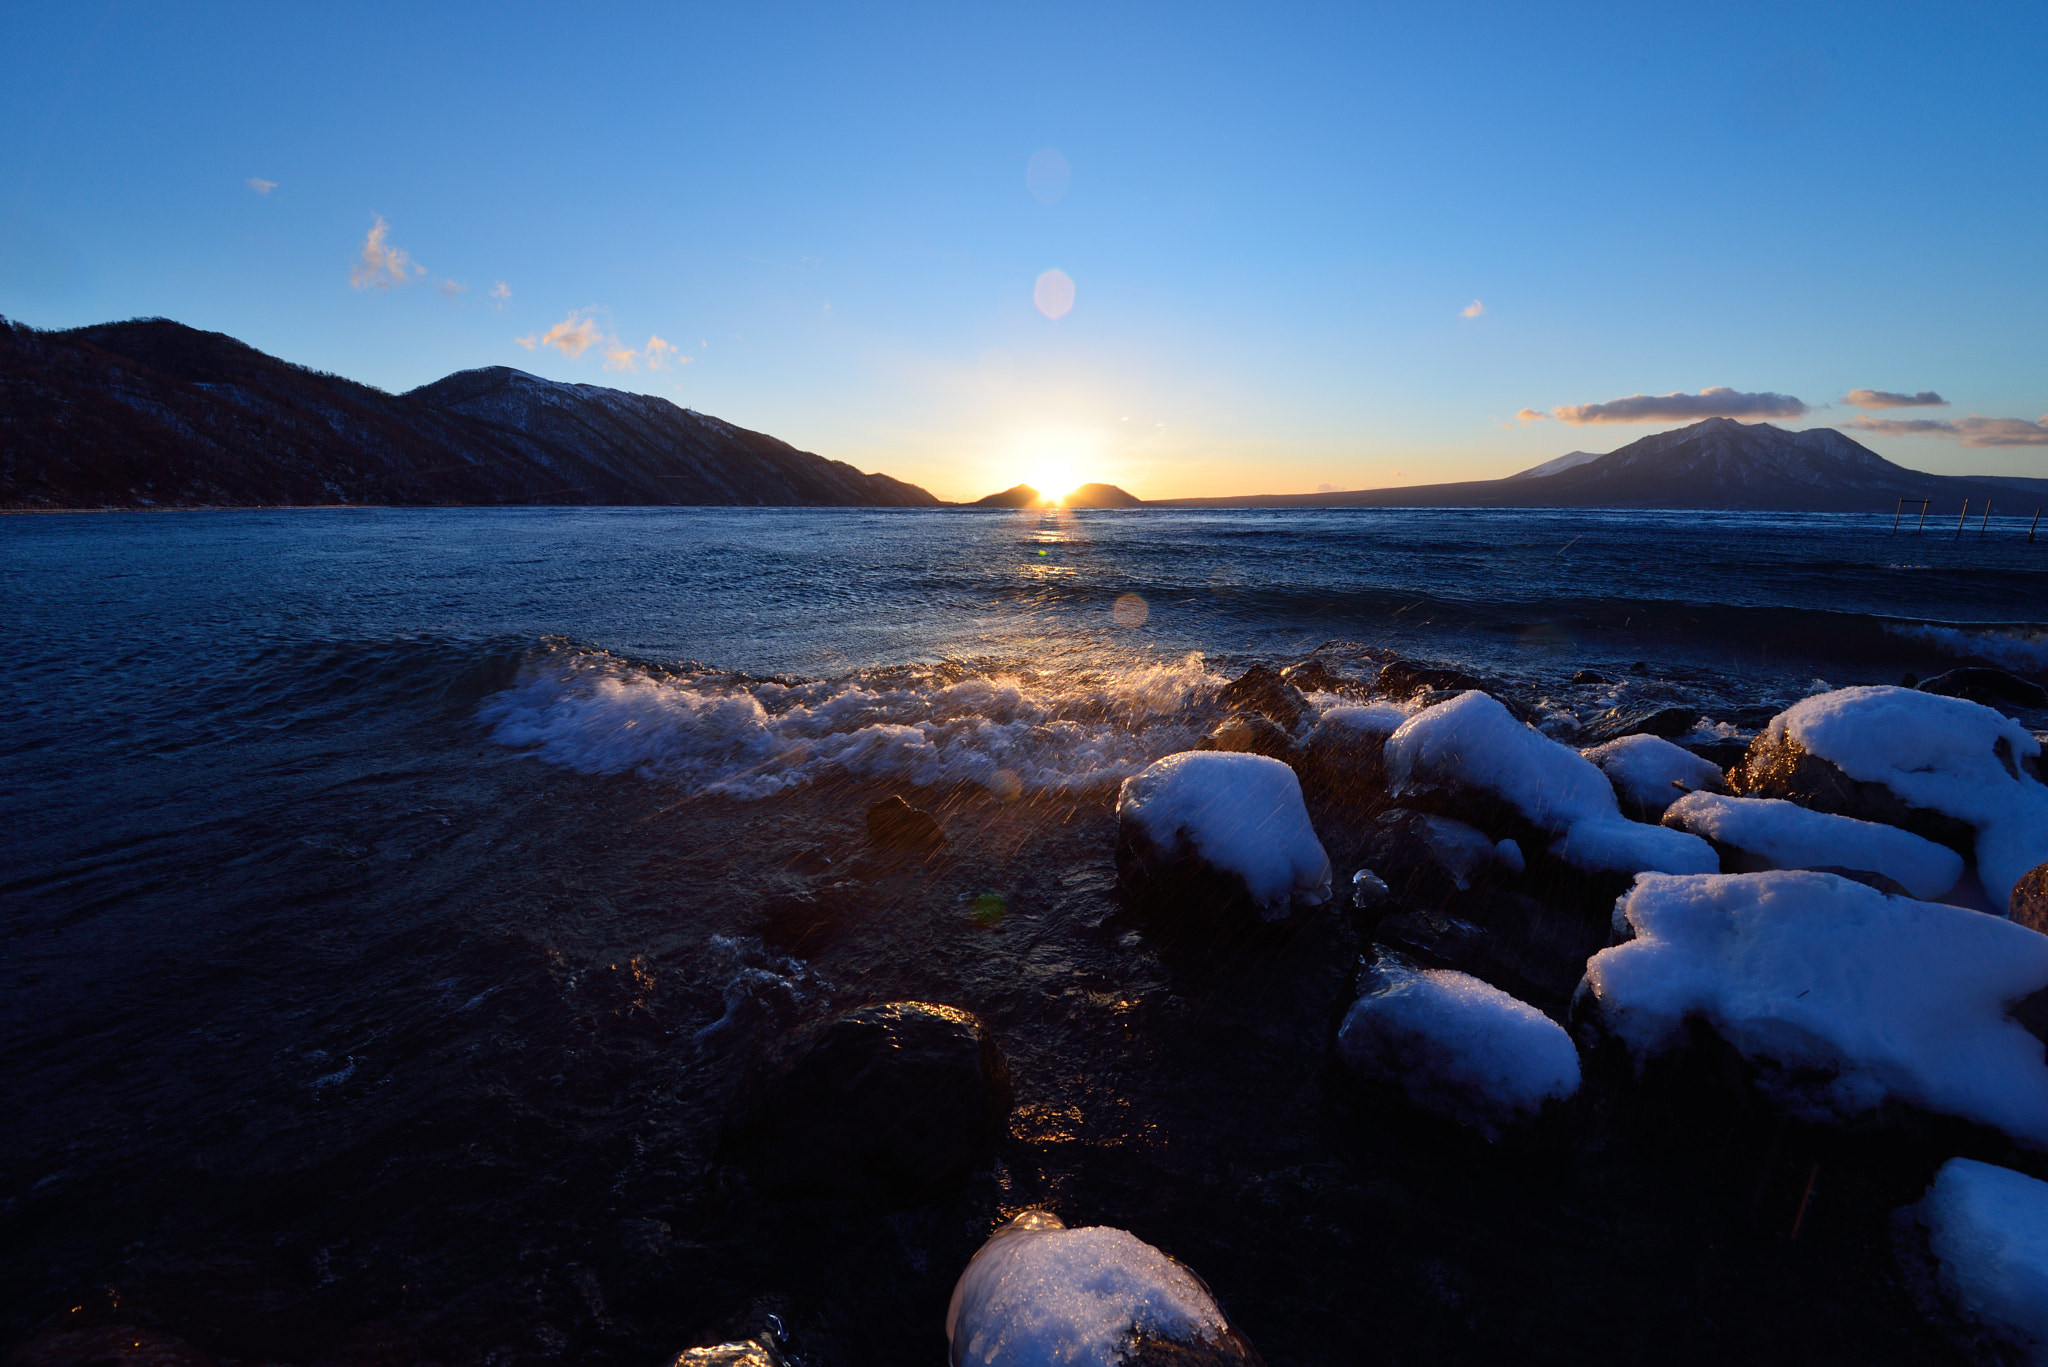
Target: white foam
(2025, 650)
(1008, 732)
(1457, 1046)
(1784, 835)
(1473, 740)
(1988, 1230)
(1240, 813)
(1853, 996)
(1040, 1295)
(1651, 772)
(1945, 754)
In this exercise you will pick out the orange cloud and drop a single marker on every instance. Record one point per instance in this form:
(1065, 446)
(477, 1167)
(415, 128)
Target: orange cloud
(1717, 402)
(501, 293)
(572, 336)
(1970, 431)
(1531, 415)
(661, 355)
(1472, 310)
(383, 265)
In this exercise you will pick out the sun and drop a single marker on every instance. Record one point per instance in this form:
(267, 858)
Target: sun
(1054, 482)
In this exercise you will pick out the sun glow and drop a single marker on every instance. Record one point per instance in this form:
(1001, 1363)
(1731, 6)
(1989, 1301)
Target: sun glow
(1054, 482)
(1057, 462)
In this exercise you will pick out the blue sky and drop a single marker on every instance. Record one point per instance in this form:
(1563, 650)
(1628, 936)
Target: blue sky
(1276, 222)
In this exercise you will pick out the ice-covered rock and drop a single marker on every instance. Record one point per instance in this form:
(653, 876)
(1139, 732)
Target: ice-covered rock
(1473, 741)
(1928, 755)
(1987, 1228)
(1038, 1294)
(1241, 815)
(1457, 1046)
(2028, 903)
(1845, 997)
(1427, 859)
(1649, 773)
(1769, 833)
(1343, 752)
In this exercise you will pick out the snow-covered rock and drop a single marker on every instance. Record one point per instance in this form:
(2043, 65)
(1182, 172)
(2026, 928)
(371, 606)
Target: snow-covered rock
(1474, 741)
(1457, 1046)
(1038, 1294)
(1649, 773)
(1358, 725)
(1240, 814)
(1946, 755)
(1783, 835)
(1987, 1228)
(1846, 997)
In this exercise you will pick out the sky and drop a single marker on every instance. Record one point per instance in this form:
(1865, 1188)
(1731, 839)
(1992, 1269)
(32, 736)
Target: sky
(1185, 249)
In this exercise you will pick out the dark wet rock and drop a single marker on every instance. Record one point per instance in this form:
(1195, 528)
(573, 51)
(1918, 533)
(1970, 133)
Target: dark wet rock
(1426, 859)
(1261, 691)
(1982, 685)
(1233, 1350)
(1250, 733)
(111, 1345)
(1587, 676)
(1779, 766)
(2028, 904)
(1368, 890)
(743, 1353)
(890, 1102)
(1613, 724)
(1724, 753)
(1639, 667)
(1427, 686)
(1506, 939)
(1313, 676)
(1889, 886)
(895, 824)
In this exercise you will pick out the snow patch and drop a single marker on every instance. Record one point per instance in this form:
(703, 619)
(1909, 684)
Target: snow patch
(1988, 1230)
(1849, 996)
(1651, 772)
(1785, 835)
(1242, 814)
(1475, 741)
(1457, 1046)
(1038, 1294)
(1945, 754)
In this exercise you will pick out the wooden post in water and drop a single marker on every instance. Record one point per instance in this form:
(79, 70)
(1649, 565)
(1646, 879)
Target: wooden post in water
(2037, 523)
(1961, 520)
(1986, 521)
(1896, 514)
(1925, 504)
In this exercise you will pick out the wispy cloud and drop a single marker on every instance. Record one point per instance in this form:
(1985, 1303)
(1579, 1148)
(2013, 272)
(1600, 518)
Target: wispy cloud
(1472, 310)
(1970, 431)
(501, 295)
(451, 291)
(661, 355)
(260, 185)
(383, 265)
(1885, 398)
(1717, 402)
(1531, 415)
(619, 356)
(572, 336)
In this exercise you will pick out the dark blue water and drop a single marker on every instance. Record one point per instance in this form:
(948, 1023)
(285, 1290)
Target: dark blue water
(391, 897)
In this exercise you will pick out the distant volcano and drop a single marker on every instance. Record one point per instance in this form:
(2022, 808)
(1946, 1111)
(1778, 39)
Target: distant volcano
(1718, 463)
(1086, 496)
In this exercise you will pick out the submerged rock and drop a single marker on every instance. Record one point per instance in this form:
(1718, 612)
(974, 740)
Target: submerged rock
(1262, 691)
(890, 1102)
(1982, 685)
(895, 824)
(1208, 818)
(1039, 1294)
(1313, 676)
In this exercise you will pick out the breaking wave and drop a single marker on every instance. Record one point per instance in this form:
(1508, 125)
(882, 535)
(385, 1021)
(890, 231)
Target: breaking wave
(1011, 731)
(2022, 649)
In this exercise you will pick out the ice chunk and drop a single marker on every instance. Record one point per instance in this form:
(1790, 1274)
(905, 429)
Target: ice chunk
(1850, 996)
(1474, 741)
(1785, 835)
(1988, 1230)
(1038, 1294)
(1946, 754)
(1240, 813)
(1457, 1046)
(1651, 773)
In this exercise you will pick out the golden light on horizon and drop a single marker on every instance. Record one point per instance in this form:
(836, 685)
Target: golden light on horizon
(1056, 462)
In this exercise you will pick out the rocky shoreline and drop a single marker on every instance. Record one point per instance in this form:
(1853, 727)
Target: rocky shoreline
(1150, 1055)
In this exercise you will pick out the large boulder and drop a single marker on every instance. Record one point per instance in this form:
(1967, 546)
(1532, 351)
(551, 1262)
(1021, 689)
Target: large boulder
(1752, 834)
(889, 1102)
(2028, 904)
(1953, 771)
(1427, 860)
(1978, 684)
(1260, 690)
(1649, 773)
(1250, 733)
(1038, 1293)
(1212, 826)
(1986, 1230)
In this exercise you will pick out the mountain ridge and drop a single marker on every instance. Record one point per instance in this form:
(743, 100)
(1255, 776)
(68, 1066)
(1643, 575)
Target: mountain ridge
(1715, 464)
(152, 413)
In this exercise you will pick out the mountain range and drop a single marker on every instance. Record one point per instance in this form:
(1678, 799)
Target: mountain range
(1715, 464)
(151, 413)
